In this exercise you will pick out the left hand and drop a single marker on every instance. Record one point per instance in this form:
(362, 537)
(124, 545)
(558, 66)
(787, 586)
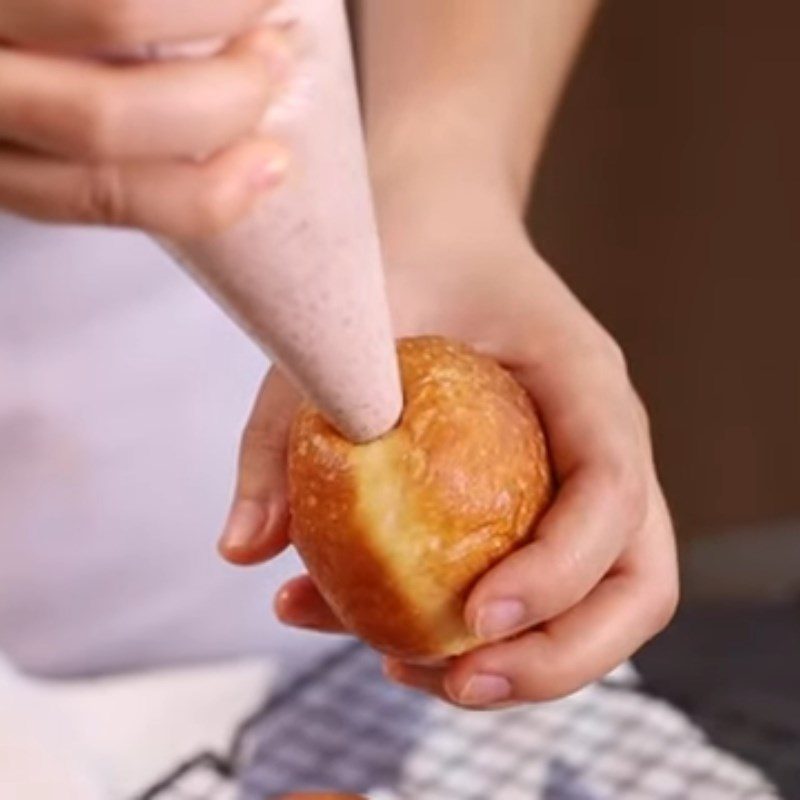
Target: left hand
(599, 578)
(171, 146)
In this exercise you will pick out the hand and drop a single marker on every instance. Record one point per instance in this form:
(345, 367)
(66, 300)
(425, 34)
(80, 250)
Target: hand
(599, 578)
(168, 147)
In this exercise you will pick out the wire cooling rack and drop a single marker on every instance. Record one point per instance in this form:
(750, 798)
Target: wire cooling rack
(342, 727)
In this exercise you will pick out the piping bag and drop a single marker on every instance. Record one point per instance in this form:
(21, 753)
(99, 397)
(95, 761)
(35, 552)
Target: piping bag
(302, 274)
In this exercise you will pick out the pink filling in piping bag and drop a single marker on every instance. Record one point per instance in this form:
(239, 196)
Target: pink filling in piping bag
(303, 273)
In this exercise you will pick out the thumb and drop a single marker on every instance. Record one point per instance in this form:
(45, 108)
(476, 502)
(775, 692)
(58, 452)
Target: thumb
(257, 526)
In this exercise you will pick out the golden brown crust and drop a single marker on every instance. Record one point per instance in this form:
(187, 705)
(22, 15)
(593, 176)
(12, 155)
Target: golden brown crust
(397, 531)
(330, 540)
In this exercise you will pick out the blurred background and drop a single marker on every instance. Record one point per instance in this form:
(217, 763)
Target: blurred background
(669, 199)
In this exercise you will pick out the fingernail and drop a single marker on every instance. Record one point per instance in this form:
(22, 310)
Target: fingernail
(268, 174)
(484, 690)
(499, 618)
(245, 522)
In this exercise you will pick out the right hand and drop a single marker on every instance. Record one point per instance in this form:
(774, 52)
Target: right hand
(600, 576)
(168, 147)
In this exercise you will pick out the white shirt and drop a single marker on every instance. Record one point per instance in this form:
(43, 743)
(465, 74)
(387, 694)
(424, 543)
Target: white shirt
(123, 390)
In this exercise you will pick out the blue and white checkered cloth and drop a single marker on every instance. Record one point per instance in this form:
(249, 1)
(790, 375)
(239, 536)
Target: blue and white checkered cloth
(344, 728)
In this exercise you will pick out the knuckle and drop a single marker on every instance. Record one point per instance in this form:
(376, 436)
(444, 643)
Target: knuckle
(560, 588)
(642, 414)
(260, 444)
(600, 351)
(613, 353)
(663, 607)
(95, 122)
(102, 197)
(214, 208)
(627, 484)
(550, 679)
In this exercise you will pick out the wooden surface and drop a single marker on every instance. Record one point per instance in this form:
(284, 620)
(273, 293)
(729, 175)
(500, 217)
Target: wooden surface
(669, 198)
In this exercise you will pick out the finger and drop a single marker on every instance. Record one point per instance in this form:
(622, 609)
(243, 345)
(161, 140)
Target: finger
(585, 643)
(179, 200)
(430, 680)
(552, 662)
(82, 109)
(590, 409)
(110, 23)
(575, 545)
(299, 604)
(424, 679)
(257, 527)
(591, 419)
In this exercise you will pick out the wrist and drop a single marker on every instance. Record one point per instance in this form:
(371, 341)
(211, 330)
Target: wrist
(424, 204)
(431, 163)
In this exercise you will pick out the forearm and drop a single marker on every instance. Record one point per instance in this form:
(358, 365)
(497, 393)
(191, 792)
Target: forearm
(459, 94)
